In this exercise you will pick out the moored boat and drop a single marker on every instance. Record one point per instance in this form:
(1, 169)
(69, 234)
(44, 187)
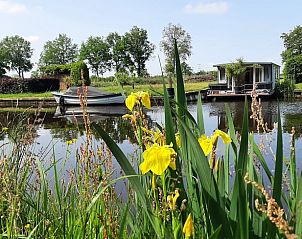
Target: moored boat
(94, 97)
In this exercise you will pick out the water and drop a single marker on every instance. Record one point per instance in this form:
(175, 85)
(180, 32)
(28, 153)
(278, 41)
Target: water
(53, 129)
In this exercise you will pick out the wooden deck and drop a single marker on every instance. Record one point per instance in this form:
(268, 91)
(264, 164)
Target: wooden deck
(229, 96)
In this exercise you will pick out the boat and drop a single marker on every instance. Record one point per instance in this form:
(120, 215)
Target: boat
(96, 113)
(94, 96)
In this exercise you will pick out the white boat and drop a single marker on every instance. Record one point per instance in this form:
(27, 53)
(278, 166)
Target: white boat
(94, 97)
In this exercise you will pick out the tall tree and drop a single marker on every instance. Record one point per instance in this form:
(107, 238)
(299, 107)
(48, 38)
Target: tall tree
(59, 51)
(140, 49)
(97, 52)
(292, 43)
(17, 53)
(292, 55)
(170, 34)
(120, 58)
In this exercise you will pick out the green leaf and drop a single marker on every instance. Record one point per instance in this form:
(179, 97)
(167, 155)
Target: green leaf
(261, 158)
(123, 222)
(200, 120)
(180, 93)
(128, 170)
(239, 202)
(216, 233)
(201, 166)
(298, 211)
(277, 186)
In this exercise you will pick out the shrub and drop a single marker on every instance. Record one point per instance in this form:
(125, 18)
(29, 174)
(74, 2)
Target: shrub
(72, 69)
(13, 85)
(284, 88)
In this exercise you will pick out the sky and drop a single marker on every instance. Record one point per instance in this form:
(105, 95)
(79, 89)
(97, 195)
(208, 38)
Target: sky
(221, 31)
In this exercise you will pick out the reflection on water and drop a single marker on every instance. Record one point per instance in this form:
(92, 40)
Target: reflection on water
(52, 128)
(66, 123)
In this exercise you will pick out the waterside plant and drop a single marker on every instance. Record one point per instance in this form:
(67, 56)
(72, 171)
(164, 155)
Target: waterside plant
(180, 185)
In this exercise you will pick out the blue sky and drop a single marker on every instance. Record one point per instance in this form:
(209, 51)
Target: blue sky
(221, 30)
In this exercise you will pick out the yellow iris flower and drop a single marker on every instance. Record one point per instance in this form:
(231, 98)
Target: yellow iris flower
(158, 159)
(135, 98)
(188, 228)
(4, 129)
(69, 142)
(207, 144)
(177, 139)
(172, 199)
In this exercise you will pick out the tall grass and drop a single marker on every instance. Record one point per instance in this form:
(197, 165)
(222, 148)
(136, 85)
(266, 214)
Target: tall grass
(195, 196)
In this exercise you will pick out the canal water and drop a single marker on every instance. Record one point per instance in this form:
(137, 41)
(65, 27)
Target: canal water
(55, 127)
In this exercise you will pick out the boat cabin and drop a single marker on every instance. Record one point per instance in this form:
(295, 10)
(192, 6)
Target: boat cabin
(261, 76)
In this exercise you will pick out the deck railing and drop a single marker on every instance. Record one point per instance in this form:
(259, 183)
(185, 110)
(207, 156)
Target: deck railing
(242, 89)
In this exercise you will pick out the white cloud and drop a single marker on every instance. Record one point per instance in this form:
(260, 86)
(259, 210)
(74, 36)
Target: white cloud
(32, 39)
(8, 6)
(207, 8)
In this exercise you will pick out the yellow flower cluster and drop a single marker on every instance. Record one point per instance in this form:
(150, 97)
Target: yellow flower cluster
(69, 142)
(158, 158)
(207, 144)
(136, 98)
(4, 129)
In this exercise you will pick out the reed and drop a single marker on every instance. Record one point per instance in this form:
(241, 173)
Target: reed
(179, 186)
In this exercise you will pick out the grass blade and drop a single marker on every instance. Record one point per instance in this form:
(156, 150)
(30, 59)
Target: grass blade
(298, 229)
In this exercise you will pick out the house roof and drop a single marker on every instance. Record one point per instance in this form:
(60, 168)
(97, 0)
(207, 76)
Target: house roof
(251, 63)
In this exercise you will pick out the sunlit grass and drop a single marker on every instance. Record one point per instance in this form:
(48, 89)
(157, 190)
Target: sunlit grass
(26, 95)
(298, 86)
(154, 88)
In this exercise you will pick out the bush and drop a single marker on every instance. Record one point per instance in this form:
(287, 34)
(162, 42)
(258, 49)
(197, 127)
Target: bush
(284, 88)
(72, 69)
(35, 85)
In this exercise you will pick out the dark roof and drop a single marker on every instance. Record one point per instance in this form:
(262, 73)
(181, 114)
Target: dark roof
(251, 63)
(91, 91)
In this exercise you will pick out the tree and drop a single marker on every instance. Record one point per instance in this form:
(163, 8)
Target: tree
(293, 69)
(3, 64)
(140, 49)
(170, 34)
(97, 52)
(59, 51)
(292, 43)
(292, 55)
(17, 53)
(120, 58)
(235, 70)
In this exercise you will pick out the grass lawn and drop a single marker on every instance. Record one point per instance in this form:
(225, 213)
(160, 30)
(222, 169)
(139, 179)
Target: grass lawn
(26, 95)
(152, 88)
(298, 86)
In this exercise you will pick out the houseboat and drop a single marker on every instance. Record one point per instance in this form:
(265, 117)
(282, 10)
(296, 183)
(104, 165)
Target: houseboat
(261, 76)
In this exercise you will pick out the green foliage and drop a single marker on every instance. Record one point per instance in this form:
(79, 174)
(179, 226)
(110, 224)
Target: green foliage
(292, 43)
(77, 71)
(139, 48)
(36, 203)
(16, 52)
(293, 69)
(97, 52)
(120, 58)
(284, 88)
(292, 56)
(235, 70)
(170, 34)
(74, 69)
(186, 69)
(60, 51)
